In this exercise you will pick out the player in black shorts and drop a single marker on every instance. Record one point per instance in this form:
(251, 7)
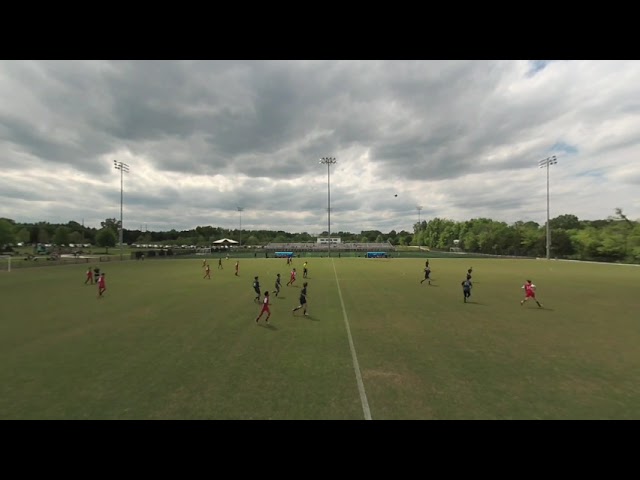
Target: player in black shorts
(278, 285)
(256, 287)
(466, 289)
(303, 300)
(427, 275)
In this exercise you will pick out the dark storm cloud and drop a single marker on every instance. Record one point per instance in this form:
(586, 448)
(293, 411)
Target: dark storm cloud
(12, 191)
(203, 137)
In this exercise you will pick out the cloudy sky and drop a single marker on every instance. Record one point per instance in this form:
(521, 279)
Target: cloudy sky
(462, 139)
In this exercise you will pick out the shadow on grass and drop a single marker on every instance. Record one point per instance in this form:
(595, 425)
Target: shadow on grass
(476, 303)
(268, 326)
(538, 308)
(302, 316)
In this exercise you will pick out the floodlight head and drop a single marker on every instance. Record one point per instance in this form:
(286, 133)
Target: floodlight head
(548, 161)
(328, 160)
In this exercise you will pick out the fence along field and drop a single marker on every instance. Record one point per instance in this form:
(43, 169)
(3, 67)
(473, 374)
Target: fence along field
(165, 343)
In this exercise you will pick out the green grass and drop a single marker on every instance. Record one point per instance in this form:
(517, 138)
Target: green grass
(165, 343)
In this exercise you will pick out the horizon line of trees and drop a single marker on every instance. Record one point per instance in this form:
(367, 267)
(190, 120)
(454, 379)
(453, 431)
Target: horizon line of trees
(615, 239)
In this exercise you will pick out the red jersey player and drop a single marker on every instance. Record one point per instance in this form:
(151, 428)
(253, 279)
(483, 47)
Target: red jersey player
(293, 277)
(265, 307)
(529, 292)
(102, 287)
(89, 276)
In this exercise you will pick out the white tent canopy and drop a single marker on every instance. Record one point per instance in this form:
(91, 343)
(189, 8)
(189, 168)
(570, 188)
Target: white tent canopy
(224, 241)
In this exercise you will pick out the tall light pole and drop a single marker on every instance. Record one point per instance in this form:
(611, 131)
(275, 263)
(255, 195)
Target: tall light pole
(545, 163)
(124, 168)
(240, 209)
(419, 207)
(328, 161)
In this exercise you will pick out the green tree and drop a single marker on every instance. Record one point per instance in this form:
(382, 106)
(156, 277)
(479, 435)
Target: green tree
(75, 238)
(61, 237)
(622, 216)
(469, 242)
(111, 224)
(6, 232)
(532, 241)
(586, 242)
(561, 245)
(43, 236)
(146, 240)
(633, 244)
(252, 240)
(23, 236)
(106, 238)
(565, 222)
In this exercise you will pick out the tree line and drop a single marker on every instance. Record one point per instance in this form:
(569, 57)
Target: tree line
(615, 239)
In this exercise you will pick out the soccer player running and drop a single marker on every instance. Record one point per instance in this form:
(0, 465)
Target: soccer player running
(265, 307)
(220, 267)
(237, 267)
(303, 300)
(530, 292)
(466, 289)
(89, 277)
(304, 270)
(207, 271)
(278, 285)
(102, 286)
(427, 275)
(256, 288)
(293, 277)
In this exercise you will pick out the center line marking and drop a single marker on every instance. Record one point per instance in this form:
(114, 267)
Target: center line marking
(356, 366)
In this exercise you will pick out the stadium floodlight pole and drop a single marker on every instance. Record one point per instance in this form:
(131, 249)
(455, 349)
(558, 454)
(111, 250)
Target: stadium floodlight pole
(545, 163)
(124, 168)
(240, 209)
(419, 207)
(328, 161)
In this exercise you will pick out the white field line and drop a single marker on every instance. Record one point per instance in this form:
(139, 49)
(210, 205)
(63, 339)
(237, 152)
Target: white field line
(599, 263)
(356, 366)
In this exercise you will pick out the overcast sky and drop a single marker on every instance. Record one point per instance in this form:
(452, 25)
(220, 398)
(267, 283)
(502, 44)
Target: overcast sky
(462, 139)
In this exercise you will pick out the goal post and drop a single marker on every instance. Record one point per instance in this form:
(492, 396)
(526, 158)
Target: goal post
(8, 259)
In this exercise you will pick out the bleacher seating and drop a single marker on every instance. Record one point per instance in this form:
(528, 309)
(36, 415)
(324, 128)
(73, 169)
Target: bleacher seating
(336, 247)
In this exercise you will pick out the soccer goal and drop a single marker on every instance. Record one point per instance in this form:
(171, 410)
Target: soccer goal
(204, 251)
(5, 259)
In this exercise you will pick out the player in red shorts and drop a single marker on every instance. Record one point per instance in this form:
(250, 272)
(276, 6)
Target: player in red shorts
(89, 277)
(293, 277)
(265, 308)
(102, 287)
(529, 292)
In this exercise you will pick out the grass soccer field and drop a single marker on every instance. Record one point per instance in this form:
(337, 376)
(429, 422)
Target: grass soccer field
(164, 343)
